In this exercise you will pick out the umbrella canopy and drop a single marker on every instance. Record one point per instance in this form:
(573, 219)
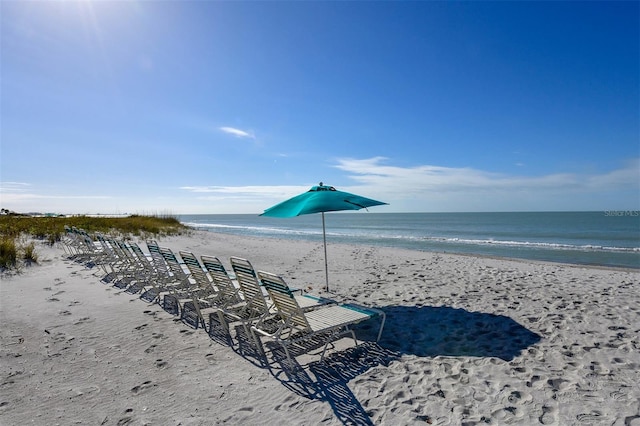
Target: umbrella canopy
(321, 199)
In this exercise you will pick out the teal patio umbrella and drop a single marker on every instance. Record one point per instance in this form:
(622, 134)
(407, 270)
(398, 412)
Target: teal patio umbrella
(320, 199)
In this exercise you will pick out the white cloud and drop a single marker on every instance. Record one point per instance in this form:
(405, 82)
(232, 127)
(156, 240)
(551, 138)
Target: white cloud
(263, 196)
(12, 191)
(6, 187)
(467, 189)
(372, 171)
(30, 201)
(438, 188)
(237, 132)
(427, 188)
(628, 176)
(26, 196)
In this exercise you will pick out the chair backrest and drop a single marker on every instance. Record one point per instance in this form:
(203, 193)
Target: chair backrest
(107, 247)
(172, 261)
(283, 298)
(101, 239)
(161, 267)
(249, 284)
(197, 272)
(88, 242)
(124, 251)
(221, 279)
(142, 259)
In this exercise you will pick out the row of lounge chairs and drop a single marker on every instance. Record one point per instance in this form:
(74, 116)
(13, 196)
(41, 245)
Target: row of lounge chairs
(204, 294)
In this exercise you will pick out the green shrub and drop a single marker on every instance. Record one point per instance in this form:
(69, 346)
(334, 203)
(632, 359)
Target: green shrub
(53, 238)
(51, 229)
(8, 253)
(29, 253)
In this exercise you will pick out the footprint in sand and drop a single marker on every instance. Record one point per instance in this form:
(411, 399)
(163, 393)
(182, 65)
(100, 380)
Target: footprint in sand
(143, 387)
(632, 421)
(536, 382)
(161, 364)
(64, 313)
(140, 327)
(82, 320)
(150, 349)
(124, 421)
(89, 390)
(53, 299)
(620, 395)
(548, 416)
(594, 416)
(517, 397)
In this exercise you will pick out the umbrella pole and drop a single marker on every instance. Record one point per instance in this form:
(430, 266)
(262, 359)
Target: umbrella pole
(324, 240)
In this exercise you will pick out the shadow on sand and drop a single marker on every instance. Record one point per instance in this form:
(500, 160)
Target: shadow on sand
(443, 331)
(409, 330)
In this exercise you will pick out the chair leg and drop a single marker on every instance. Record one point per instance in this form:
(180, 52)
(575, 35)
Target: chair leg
(256, 340)
(286, 351)
(221, 319)
(224, 322)
(384, 318)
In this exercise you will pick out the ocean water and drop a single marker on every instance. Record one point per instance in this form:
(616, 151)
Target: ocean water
(608, 238)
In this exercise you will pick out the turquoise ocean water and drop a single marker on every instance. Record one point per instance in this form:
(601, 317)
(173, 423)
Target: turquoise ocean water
(608, 238)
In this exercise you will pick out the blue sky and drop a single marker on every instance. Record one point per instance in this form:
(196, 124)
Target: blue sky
(231, 107)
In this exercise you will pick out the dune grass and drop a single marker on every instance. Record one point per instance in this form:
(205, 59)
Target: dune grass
(51, 229)
(8, 253)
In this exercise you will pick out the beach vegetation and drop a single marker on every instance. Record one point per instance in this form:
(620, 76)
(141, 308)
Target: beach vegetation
(28, 253)
(17, 229)
(8, 253)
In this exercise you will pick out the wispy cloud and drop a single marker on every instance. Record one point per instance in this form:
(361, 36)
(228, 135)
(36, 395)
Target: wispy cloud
(237, 132)
(20, 191)
(13, 197)
(13, 187)
(439, 188)
(472, 188)
(259, 194)
(373, 171)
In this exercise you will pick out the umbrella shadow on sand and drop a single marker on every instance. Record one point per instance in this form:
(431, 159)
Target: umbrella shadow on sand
(444, 331)
(409, 330)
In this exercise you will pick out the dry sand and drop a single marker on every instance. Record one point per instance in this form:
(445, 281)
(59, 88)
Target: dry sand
(468, 340)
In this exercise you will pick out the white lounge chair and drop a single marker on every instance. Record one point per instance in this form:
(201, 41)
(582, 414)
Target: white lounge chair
(248, 280)
(212, 290)
(251, 307)
(297, 325)
(180, 290)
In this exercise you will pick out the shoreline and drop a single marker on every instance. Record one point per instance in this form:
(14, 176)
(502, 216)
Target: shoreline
(479, 255)
(550, 262)
(582, 238)
(468, 339)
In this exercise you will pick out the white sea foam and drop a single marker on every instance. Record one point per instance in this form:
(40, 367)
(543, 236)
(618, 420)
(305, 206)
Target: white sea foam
(589, 238)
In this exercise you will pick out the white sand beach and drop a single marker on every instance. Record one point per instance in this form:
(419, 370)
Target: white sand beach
(468, 340)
